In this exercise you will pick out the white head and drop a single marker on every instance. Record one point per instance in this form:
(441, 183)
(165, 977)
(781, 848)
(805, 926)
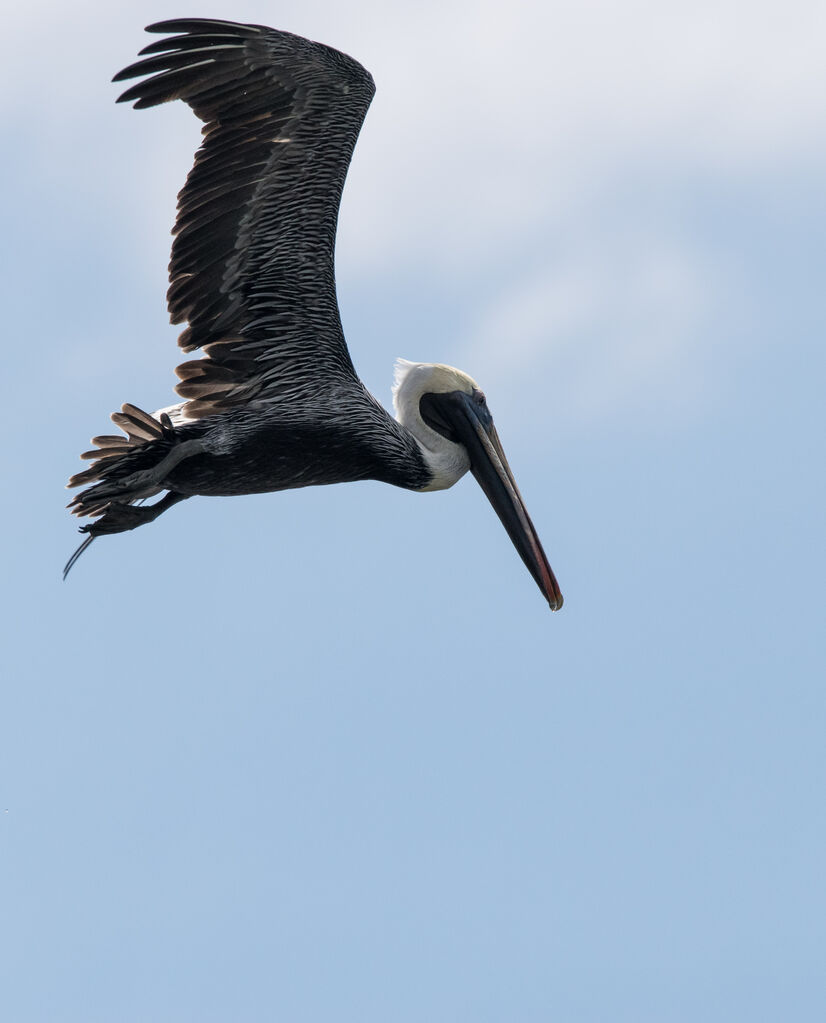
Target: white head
(449, 418)
(447, 460)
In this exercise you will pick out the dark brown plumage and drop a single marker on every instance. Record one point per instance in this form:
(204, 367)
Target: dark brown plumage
(274, 402)
(252, 260)
(252, 274)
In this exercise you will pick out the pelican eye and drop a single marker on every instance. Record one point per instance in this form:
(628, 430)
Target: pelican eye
(479, 397)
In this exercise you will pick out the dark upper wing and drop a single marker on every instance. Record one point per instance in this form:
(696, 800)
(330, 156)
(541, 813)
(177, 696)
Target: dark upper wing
(252, 261)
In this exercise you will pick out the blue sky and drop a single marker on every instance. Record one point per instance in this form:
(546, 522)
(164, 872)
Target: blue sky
(326, 754)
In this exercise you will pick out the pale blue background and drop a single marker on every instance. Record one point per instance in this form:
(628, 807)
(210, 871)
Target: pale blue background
(326, 755)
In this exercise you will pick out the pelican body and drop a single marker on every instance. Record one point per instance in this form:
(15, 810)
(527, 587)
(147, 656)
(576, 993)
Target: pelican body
(274, 402)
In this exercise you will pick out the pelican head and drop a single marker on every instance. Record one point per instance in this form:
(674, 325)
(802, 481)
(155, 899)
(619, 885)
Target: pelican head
(446, 412)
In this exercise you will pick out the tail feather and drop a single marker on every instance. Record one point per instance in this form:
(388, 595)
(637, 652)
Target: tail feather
(120, 478)
(137, 424)
(70, 564)
(108, 452)
(116, 440)
(115, 457)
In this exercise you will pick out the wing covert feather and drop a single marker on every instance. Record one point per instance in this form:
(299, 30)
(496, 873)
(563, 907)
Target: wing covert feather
(252, 265)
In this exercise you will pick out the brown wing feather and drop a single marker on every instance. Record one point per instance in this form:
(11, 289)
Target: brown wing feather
(252, 261)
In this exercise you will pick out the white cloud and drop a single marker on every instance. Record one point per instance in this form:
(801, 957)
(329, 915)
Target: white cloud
(616, 321)
(487, 120)
(496, 121)
(497, 131)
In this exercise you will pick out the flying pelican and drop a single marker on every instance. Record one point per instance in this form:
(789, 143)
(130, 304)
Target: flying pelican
(275, 402)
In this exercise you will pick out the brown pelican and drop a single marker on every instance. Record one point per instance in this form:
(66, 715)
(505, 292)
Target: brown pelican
(275, 402)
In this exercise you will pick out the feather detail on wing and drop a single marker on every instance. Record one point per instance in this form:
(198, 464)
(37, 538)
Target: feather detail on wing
(252, 261)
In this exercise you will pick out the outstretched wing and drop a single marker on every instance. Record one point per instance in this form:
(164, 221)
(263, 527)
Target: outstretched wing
(252, 261)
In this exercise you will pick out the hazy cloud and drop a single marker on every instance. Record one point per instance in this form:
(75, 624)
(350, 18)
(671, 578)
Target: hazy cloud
(503, 153)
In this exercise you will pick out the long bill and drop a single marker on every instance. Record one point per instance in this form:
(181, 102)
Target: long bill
(473, 425)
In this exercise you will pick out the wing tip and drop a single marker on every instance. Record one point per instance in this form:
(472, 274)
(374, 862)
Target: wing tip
(186, 26)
